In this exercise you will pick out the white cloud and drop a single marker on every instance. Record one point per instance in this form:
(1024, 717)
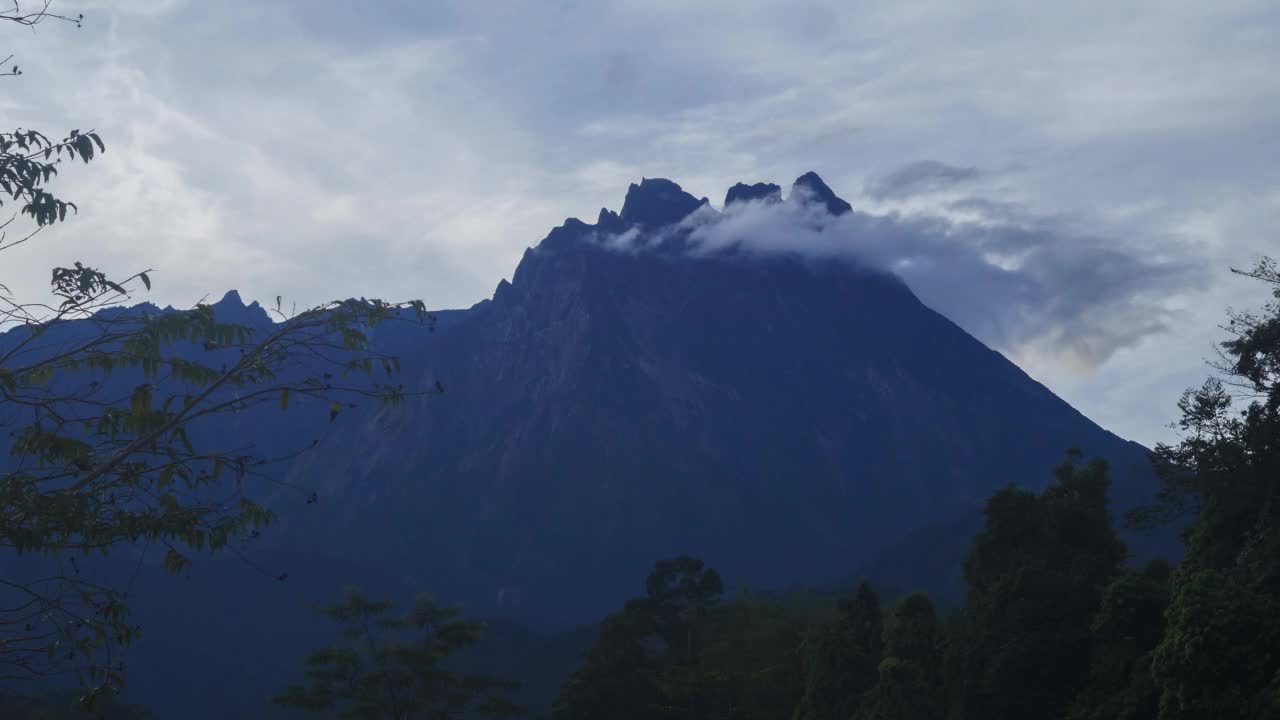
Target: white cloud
(1041, 294)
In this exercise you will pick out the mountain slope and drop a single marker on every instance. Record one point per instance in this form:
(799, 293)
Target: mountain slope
(784, 419)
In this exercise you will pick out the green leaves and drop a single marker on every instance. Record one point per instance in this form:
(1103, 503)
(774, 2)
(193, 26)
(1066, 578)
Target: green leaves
(396, 667)
(1217, 657)
(840, 658)
(909, 686)
(646, 653)
(80, 286)
(1035, 575)
(84, 146)
(28, 161)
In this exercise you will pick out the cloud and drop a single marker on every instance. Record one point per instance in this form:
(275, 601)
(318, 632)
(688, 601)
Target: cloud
(924, 176)
(1027, 288)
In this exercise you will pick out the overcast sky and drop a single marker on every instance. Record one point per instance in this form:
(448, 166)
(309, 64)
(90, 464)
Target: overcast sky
(1114, 159)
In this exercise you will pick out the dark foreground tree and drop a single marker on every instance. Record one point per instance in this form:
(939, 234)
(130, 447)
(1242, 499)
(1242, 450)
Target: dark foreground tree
(1036, 576)
(910, 682)
(841, 658)
(397, 667)
(1218, 657)
(102, 408)
(1126, 630)
(644, 663)
(749, 665)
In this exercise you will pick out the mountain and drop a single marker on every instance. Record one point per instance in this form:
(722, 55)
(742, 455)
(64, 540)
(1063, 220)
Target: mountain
(626, 396)
(783, 418)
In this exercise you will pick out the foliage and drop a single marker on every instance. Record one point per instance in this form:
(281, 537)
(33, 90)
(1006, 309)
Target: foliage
(28, 158)
(910, 678)
(396, 668)
(641, 663)
(749, 667)
(618, 677)
(842, 658)
(1036, 575)
(1218, 655)
(1126, 630)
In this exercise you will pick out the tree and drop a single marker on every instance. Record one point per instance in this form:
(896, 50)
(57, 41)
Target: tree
(643, 661)
(104, 407)
(748, 667)
(1217, 657)
(841, 659)
(910, 680)
(1036, 576)
(679, 593)
(1127, 628)
(395, 668)
(619, 675)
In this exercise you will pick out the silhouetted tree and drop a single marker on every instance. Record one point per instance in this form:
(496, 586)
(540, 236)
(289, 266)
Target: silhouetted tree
(1126, 630)
(395, 668)
(910, 679)
(1217, 657)
(1036, 576)
(641, 664)
(748, 666)
(841, 659)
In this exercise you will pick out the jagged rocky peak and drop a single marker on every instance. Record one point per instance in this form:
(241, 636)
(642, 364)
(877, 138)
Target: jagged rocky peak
(741, 192)
(610, 223)
(656, 202)
(567, 234)
(230, 299)
(231, 309)
(812, 188)
(608, 219)
(503, 290)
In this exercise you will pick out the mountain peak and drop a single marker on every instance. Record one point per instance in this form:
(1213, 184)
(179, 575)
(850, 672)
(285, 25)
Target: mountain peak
(609, 222)
(230, 299)
(656, 202)
(767, 192)
(231, 308)
(819, 192)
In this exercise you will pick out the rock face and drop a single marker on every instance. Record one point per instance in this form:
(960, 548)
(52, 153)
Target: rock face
(657, 202)
(811, 185)
(767, 192)
(784, 420)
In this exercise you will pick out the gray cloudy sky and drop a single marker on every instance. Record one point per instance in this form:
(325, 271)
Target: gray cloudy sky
(1068, 181)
